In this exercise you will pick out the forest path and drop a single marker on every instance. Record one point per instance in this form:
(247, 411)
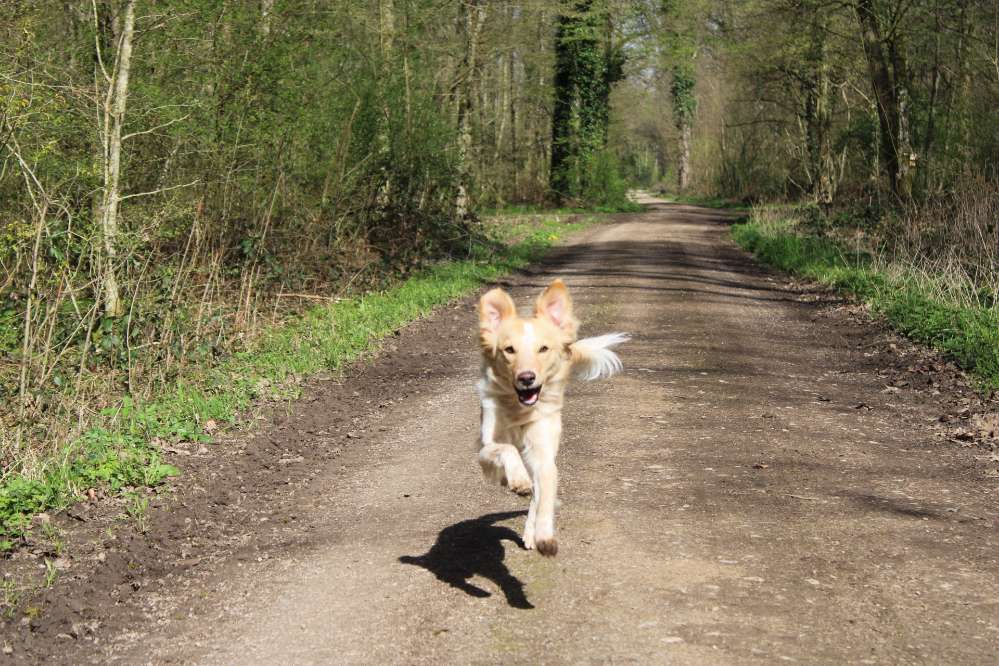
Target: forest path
(745, 492)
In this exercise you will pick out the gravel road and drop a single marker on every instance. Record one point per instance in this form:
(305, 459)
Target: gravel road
(746, 491)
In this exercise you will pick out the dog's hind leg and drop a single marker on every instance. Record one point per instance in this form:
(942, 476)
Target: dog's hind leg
(501, 464)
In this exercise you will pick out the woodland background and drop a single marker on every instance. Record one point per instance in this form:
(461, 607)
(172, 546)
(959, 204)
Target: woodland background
(177, 174)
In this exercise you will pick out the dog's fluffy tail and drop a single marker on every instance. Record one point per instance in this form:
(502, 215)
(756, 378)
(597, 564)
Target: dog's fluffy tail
(592, 358)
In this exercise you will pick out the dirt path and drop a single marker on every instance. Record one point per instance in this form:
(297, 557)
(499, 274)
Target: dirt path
(745, 492)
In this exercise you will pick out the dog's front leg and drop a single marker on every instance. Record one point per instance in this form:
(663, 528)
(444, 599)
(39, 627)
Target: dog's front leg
(539, 530)
(500, 463)
(539, 454)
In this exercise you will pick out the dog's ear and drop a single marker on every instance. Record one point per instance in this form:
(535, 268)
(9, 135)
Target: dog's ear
(494, 306)
(555, 304)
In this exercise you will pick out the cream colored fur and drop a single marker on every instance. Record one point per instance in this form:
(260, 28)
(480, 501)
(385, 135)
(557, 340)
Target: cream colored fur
(519, 442)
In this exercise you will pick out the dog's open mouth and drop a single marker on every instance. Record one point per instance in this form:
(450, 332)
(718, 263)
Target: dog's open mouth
(529, 396)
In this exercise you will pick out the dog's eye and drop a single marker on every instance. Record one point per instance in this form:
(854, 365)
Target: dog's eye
(543, 349)
(509, 350)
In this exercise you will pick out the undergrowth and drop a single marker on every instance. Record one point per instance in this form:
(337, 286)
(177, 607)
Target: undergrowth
(535, 209)
(124, 451)
(707, 201)
(960, 321)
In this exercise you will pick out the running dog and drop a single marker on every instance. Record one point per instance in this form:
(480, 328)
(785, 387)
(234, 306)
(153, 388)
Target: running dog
(526, 364)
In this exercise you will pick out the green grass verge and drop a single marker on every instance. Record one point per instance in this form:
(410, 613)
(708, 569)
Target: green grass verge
(968, 334)
(124, 452)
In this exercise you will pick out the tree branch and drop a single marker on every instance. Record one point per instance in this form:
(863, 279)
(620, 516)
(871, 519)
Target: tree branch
(162, 189)
(158, 127)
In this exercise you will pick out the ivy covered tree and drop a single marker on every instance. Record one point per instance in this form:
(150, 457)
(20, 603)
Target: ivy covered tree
(684, 106)
(678, 52)
(587, 64)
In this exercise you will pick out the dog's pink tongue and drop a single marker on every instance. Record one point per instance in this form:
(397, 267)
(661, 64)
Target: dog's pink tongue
(533, 398)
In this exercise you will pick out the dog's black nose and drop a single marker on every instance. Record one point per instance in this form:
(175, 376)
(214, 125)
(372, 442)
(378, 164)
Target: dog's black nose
(525, 379)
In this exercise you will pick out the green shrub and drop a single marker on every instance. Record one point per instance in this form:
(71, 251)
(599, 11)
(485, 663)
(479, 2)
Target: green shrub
(604, 187)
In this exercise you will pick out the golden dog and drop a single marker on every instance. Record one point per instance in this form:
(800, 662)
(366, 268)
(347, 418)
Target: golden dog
(526, 364)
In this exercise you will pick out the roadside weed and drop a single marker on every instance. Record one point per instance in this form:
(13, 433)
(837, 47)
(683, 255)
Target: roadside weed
(10, 596)
(137, 508)
(54, 536)
(51, 573)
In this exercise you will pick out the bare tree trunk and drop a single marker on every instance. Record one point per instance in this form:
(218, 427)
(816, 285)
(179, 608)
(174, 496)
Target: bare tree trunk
(502, 108)
(475, 17)
(683, 169)
(78, 14)
(885, 72)
(903, 144)
(929, 135)
(266, 11)
(386, 36)
(114, 120)
(514, 152)
(818, 115)
(386, 26)
(954, 116)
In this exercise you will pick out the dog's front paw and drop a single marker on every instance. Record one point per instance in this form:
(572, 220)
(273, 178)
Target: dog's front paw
(522, 485)
(528, 539)
(547, 547)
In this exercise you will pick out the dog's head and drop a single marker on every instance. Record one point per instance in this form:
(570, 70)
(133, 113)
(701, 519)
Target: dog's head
(526, 353)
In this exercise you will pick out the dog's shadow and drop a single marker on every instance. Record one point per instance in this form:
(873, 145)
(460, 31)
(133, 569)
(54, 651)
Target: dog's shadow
(475, 548)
